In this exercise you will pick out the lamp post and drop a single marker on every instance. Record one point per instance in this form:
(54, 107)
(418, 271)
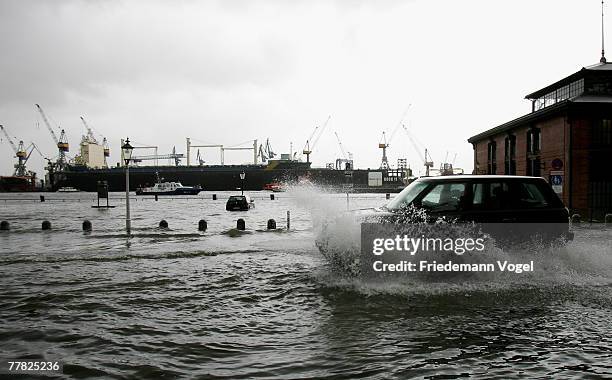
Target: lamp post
(127, 155)
(242, 177)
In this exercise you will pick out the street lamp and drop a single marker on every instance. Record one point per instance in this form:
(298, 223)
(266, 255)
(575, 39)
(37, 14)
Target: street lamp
(242, 176)
(127, 155)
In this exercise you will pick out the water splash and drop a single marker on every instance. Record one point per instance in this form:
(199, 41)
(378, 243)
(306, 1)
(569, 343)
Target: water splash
(585, 261)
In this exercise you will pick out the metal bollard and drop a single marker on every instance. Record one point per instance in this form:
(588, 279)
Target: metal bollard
(46, 225)
(156, 199)
(5, 226)
(163, 224)
(271, 197)
(214, 197)
(576, 219)
(288, 220)
(387, 196)
(271, 224)
(202, 225)
(240, 224)
(42, 198)
(87, 226)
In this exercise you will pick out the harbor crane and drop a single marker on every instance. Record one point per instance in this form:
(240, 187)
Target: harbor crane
(346, 159)
(427, 160)
(90, 136)
(61, 142)
(265, 151)
(106, 148)
(384, 143)
(199, 158)
(92, 139)
(22, 154)
(308, 148)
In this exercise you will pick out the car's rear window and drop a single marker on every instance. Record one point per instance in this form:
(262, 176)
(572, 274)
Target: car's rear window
(506, 195)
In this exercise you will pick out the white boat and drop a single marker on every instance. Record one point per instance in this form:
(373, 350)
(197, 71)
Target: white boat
(67, 189)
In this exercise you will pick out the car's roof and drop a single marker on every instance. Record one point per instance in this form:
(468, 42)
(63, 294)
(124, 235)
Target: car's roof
(474, 176)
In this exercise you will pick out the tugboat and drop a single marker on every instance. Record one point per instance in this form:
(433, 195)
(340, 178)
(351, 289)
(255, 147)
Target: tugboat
(168, 188)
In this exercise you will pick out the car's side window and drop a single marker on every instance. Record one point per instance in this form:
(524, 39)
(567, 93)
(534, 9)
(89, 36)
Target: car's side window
(478, 192)
(498, 196)
(445, 197)
(530, 196)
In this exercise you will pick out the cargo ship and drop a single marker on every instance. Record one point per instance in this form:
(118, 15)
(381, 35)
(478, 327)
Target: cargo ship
(90, 168)
(228, 177)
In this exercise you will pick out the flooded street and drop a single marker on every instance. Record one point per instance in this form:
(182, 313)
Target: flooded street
(225, 304)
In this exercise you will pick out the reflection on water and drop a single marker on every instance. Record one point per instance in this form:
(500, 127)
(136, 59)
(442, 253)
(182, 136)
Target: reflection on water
(183, 303)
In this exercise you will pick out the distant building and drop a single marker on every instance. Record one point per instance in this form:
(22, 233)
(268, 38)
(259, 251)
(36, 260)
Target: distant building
(567, 139)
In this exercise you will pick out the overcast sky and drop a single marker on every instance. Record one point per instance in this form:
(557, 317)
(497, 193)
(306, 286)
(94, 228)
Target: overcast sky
(225, 72)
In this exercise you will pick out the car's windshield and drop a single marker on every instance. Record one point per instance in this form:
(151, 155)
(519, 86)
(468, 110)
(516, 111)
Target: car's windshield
(407, 195)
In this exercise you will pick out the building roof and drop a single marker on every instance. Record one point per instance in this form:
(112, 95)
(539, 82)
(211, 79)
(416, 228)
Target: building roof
(575, 76)
(538, 115)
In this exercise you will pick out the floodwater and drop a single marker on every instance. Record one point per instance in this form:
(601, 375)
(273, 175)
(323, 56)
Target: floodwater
(179, 303)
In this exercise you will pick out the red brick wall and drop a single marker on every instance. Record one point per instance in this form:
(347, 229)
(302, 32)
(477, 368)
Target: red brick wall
(580, 166)
(554, 145)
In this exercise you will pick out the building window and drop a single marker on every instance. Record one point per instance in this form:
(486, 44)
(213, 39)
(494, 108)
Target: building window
(534, 167)
(534, 145)
(534, 141)
(491, 158)
(560, 94)
(602, 134)
(510, 155)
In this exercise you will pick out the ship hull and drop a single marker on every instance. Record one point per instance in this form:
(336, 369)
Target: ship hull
(227, 177)
(17, 184)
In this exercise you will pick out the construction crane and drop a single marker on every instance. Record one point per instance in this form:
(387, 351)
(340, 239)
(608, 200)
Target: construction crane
(384, 143)
(308, 148)
(61, 142)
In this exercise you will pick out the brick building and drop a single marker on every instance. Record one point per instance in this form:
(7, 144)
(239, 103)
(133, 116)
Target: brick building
(567, 139)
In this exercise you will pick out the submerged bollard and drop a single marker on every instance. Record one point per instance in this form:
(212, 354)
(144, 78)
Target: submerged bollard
(214, 197)
(163, 224)
(42, 198)
(240, 224)
(86, 226)
(288, 219)
(271, 197)
(4, 226)
(576, 219)
(202, 225)
(271, 224)
(46, 225)
(387, 196)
